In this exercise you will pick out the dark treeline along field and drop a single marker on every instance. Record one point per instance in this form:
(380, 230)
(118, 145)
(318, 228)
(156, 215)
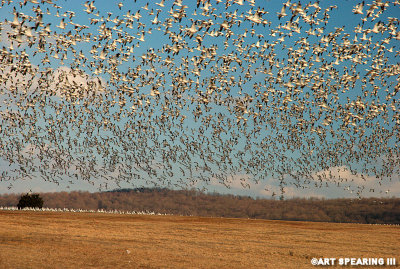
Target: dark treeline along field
(191, 202)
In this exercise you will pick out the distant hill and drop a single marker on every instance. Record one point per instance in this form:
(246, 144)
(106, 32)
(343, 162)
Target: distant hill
(191, 202)
(142, 189)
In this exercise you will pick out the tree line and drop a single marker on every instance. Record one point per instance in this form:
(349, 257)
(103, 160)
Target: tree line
(191, 202)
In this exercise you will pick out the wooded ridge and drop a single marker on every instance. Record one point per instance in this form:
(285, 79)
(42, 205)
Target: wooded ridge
(191, 202)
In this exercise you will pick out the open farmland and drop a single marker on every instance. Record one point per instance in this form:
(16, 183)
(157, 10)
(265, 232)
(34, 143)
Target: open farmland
(96, 240)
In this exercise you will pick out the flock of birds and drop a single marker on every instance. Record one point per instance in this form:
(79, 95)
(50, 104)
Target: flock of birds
(115, 211)
(185, 94)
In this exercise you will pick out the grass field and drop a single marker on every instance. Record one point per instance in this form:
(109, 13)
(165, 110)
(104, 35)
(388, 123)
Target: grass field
(95, 240)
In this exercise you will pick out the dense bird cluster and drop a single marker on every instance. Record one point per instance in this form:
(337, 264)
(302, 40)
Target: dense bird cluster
(179, 93)
(115, 211)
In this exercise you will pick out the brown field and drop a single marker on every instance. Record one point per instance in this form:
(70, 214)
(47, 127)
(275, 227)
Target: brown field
(95, 240)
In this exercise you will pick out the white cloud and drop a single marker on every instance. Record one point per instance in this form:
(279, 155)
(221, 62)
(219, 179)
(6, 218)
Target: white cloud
(343, 182)
(323, 185)
(66, 81)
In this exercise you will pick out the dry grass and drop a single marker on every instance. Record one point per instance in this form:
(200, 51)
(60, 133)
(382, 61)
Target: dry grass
(94, 240)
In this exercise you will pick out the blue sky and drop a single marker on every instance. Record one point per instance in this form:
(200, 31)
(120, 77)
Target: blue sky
(266, 154)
